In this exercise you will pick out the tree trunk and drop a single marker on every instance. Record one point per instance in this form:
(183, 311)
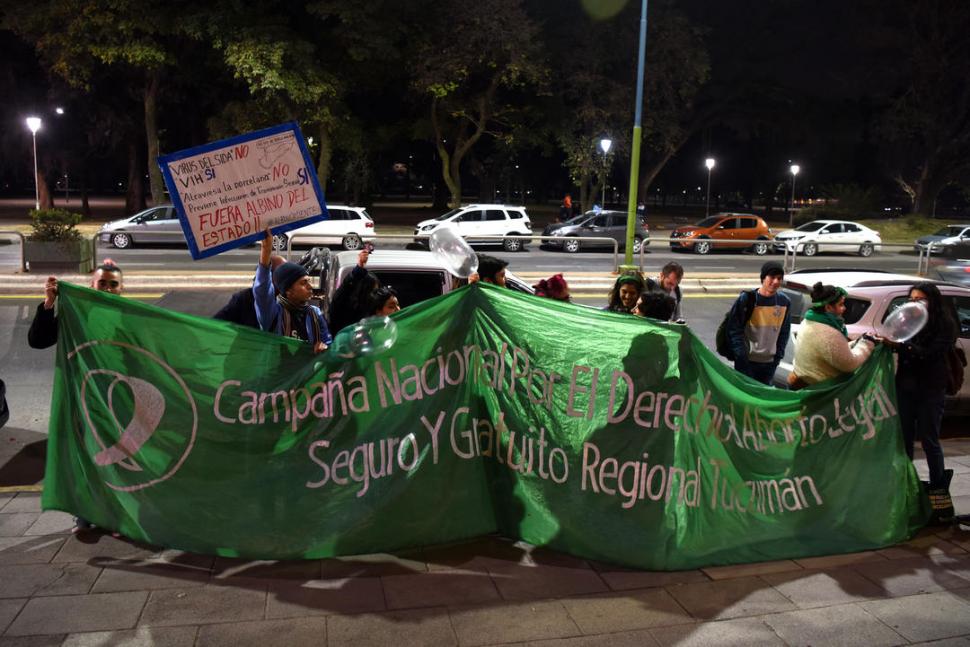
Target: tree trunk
(151, 133)
(135, 196)
(43, 191)
(326, 154)
(85, 203)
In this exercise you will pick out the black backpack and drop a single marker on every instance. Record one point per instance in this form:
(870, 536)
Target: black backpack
(722, 342)
(956, 360)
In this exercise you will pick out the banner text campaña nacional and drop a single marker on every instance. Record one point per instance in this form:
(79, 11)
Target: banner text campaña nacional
(597, 434)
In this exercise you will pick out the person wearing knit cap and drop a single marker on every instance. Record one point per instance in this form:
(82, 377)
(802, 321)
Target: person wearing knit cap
(759, 330)
(241, 308)
(555, 287)
(282, 301)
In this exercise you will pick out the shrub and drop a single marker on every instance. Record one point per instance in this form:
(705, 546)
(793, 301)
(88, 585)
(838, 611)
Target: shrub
(54, 225)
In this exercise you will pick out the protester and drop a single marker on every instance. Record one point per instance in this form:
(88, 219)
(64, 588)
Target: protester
(625, 293)
(669, 283)
(491, 270)
(822, 350)
(283, 301)
(655, 305)
(351, 301)
(759, 339)
(921, 380)
(555, 287)
(383, 302)
(43, 329)
(241, 308)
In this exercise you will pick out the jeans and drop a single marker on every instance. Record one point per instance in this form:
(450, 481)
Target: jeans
(921, 414)
(761, 371)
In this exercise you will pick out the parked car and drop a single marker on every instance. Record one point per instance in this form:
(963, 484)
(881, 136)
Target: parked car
(477, 220)
(153, 225)
(575, 232)
(721, 230)
(829, 236)
(415, 275)
(945, 240)
(954, 271)
(872, 295)
(348, 227)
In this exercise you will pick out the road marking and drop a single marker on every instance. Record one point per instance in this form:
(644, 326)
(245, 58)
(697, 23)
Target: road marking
(13, 489)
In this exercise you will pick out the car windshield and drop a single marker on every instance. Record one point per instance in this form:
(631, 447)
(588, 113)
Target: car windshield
(576, 220)
(950, 231)
(810, 226)
(447, 215)
(709, 222)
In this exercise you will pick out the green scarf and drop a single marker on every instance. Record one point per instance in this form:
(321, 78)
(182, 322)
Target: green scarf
(828, 319)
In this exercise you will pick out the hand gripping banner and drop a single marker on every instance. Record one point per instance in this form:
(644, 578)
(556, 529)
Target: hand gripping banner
(602, 435)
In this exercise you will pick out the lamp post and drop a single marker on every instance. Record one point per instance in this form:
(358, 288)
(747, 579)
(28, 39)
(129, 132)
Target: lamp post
(631, 206)
(605, 145)
(33, 123)
(794, 168)
(709, 163)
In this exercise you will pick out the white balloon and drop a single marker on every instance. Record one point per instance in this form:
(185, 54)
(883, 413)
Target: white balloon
(906, 321)
(454, 252)
(368, 337)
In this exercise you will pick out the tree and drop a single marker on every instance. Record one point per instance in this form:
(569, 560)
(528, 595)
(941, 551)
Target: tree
(474, 65)
(927, 124)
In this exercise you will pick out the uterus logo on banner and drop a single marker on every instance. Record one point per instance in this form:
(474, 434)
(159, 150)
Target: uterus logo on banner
(140, 418)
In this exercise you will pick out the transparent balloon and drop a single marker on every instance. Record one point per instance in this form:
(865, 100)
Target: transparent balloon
(367, 338)
(454, 252)
(905, 322)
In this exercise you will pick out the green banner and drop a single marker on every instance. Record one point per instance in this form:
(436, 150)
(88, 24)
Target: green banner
(598, 434)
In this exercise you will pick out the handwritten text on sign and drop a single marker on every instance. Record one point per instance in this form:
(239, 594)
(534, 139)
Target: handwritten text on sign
(229, 192)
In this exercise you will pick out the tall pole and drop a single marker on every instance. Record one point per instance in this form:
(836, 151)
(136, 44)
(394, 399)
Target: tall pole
(795, 168)
(33, 123)
(631, 208)
(709, 163)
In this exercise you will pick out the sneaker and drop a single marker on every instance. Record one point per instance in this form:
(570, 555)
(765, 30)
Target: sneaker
(81, 525)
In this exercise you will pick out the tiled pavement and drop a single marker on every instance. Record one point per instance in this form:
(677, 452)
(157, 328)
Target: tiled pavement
(56, 589)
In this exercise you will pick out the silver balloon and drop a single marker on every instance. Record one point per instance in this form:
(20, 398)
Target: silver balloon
(368, 337)
(452, 250)
(905, 322)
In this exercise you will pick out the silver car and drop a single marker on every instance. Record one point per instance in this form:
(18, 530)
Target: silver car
(153, 225)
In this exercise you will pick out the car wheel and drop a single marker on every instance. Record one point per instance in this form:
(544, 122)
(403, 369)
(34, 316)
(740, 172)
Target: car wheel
(121, 241)
(351, 242)
(760, 248)
(702, 247)
(279, 242)
(571, 245)
(637, 244)
(810, 249)
(512, 244)
(866, 250)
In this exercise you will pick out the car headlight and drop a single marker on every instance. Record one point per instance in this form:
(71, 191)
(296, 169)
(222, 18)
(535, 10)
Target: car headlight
(428, 227)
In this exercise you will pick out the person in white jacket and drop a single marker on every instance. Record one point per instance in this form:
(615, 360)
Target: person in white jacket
(822, 349)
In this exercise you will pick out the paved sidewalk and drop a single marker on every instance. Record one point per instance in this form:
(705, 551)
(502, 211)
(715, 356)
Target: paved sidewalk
(56, 589)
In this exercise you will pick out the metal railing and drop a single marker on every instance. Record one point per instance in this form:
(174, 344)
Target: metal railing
(23, 258)
(476, 239)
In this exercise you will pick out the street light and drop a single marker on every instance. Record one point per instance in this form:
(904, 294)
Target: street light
(605, 145)
(33, 123)
(709, 163)
(794, 168)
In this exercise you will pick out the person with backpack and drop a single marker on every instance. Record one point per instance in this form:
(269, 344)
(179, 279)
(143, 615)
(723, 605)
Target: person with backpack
(758, 326)
(921, 382)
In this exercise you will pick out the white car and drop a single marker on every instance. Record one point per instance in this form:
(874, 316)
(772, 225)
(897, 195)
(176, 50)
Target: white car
(829, 236)
(871, 297)
(477, 220)
(348, 227)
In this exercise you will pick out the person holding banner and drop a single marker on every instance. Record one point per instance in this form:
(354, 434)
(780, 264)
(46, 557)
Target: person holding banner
(43, 329)
(758, 326)
(822, 350)
(351, 301)
(625, 293)
(241, 308)
(282, 300)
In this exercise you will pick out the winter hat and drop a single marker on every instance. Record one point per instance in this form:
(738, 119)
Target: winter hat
(772, 268)
(555, 287)
(286, 275)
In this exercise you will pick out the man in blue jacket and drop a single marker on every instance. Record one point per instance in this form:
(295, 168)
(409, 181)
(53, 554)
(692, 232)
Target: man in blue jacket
(759, 330)
(282, 301)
